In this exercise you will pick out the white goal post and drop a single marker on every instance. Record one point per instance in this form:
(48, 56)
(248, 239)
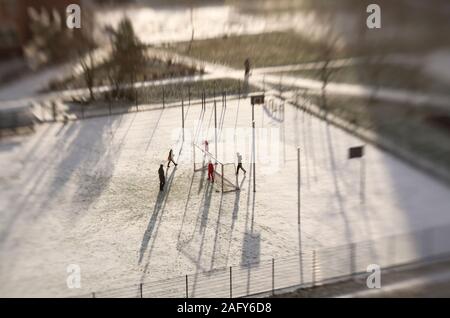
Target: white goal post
(225, 172)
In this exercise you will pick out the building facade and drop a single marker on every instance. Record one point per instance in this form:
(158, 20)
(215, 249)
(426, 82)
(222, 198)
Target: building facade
(15, 21)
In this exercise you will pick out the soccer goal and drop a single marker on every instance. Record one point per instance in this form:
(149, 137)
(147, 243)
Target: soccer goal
(224, 173)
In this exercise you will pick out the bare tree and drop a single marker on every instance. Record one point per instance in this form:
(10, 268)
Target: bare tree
(192, 27)
(327, 52)
(87, 64)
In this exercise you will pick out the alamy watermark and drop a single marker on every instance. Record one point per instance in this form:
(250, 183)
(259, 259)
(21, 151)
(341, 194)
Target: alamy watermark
(264, 146)
(374, 19)
(374, 279)
(73, 16)
(74, 278)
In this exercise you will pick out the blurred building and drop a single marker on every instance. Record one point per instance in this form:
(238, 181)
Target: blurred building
(15, 21)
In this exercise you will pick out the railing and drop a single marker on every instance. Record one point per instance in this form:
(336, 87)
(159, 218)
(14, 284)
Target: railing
(145, 99)
(305, 269)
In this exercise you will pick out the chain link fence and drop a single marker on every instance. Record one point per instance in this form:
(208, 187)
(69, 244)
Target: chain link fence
(305, 269)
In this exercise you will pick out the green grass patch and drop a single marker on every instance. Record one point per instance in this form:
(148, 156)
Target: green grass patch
(266, 49)
(381, 75)
(408, 127)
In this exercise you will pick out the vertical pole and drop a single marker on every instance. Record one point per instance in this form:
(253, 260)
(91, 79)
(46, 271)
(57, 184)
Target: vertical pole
(239, 90)
(253, 112)
(314, 267)
(254, 159)
(164, 99)
(215, 127)
(136, 98)
(254, 148)
(352, 259)
(140, 288)
(93, 295)
(182, 115)
(187, 289)
(54, 110)
(273, 276)
(189, 95)
(204, 100)
(193, 154)
(298, 184)
(222, 176)
(363, 177)
(231, 283)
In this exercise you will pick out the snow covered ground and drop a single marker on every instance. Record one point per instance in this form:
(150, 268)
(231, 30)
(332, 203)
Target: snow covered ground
(87, 193)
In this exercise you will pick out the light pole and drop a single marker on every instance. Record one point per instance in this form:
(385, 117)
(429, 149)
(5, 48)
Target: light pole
(255, 100)
(298, 184)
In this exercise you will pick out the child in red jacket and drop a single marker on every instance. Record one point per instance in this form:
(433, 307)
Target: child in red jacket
(210, 171)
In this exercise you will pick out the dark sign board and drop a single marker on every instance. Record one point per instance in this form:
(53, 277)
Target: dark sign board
(257, 99)
(355, 152)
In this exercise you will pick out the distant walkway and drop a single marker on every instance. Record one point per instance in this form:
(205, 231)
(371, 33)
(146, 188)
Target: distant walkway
(263, 81)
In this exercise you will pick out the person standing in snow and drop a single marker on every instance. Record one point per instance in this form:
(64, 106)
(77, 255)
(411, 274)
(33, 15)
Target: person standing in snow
(162, 178)
(170, 159)
(239, 166)
(206, 146)
(247, 67)
(210, 172)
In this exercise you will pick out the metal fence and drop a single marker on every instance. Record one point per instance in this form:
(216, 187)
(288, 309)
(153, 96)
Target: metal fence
(304, 269)
(144, 99)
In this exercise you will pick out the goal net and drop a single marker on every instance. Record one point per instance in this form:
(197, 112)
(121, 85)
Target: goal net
(224, 173)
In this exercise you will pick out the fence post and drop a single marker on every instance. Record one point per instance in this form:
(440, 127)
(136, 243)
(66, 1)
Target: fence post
(352, 259)
(273, 276)
(182, 114)
(222, 176)
(193, 154)
(136, 98)
(140, 288)
(189, 95)
(187, 289)
(164, 102)
(204, 99)
(54, 110)
(314, 267)
(231, 282)
(239, 90)
(298, 185)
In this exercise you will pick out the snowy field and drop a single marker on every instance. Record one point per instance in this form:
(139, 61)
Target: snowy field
(88, 193)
